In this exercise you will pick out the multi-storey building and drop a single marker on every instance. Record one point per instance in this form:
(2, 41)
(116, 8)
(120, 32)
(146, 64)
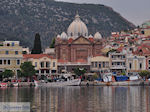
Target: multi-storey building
(100, 64)
(117, 62)
(135, 63)
(44, 64)
(10, 56)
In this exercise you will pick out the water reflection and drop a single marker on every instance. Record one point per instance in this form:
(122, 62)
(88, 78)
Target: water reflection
(81, 99)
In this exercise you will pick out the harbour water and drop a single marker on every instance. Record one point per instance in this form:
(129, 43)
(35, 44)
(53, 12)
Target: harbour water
(81, 99)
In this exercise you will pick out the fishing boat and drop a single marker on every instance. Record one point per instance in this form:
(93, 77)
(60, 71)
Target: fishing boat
(16, 84)
(3, 85)
(73, 82)
(121, 81)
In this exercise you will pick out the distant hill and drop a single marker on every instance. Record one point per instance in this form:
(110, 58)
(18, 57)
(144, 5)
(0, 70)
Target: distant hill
(21, 19)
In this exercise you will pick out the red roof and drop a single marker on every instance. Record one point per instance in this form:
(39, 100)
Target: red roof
(120, 49)
(36, 56)
(115, 35)
(70, 40)
(91, 39)
(62, 61)
(81, 61)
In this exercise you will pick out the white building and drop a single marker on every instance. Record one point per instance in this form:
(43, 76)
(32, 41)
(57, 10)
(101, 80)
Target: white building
(117, 62)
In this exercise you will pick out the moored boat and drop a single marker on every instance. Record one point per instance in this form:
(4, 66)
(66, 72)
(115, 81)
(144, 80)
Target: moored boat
(3, 85)
(73, 82)
(16, 84)
(121, 83)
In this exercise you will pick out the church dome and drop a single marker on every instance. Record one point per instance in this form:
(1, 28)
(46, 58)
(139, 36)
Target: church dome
(58, 36)
(64, 36)
(97, 36)
(77, 28)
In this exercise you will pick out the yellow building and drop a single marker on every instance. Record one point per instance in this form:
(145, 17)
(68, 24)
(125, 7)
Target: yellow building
(100, 64)
(10, 56)
(147, 32)
(136, 63)
(44, 64)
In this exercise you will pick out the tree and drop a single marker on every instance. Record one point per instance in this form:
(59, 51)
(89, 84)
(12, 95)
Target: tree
(52, 43)
(7, 73)
(79, 71)
(37, 49)
(145, 73)
(19, 73)
(27, 69)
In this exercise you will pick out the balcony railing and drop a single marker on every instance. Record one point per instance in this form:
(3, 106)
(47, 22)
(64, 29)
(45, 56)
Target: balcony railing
(118, 67)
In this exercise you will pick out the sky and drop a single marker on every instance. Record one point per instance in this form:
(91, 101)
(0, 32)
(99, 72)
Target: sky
(135, 11)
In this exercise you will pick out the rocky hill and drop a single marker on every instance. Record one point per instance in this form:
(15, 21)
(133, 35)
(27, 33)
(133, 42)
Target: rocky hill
(21, 19)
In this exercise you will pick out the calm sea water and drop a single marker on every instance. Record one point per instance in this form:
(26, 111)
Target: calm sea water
(81, 99)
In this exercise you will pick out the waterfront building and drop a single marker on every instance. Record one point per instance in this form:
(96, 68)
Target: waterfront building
(100, 64)
(148, 63)
(117, 62)
(68, 67)
(50, 51)
(10, 56)
(44, 64)
(135, 63)
(76, 46)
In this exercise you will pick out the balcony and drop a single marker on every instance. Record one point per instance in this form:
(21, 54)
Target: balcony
(118, 67)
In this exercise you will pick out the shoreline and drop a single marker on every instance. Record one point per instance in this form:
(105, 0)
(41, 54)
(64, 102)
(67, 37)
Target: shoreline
(86, 83)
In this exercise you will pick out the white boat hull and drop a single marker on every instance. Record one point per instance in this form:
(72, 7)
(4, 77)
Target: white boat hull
(74, 82)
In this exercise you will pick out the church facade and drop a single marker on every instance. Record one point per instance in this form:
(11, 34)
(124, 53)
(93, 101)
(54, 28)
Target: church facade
(76, 46)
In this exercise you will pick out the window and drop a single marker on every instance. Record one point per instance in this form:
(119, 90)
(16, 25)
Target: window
(103, 64)
(18, 62)
(0, 62)
(92, 64)
(6, 52)
(95, 64)
(42, 71)
(99, 65)
(123, 56)
(16, 52)
(149, 62)
(118, 63)
(47, 71)
(4, 62)
(42, 64)
(53, 64)
(140, 65)
(8, 44)
(37, 71)
(47, 64)
(35, 64)
(13, 44)
(130, 65)
(8, 62)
